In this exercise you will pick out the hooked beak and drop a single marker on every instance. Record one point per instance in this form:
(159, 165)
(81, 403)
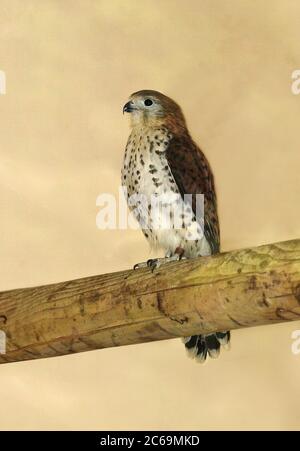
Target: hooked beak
(128, 107)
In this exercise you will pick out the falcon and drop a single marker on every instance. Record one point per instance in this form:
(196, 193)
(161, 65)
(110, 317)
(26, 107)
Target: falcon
(163, 174)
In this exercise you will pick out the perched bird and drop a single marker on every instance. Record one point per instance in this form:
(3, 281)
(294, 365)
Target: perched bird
(162, 161)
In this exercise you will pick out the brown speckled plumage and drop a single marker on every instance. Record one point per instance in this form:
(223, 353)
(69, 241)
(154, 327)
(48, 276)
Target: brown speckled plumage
(161, 159)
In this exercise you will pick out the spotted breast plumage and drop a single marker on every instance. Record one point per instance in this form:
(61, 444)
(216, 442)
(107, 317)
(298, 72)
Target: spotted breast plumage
(163, 174)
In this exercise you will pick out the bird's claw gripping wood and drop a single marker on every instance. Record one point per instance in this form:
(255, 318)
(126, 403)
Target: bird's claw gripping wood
(155, 263)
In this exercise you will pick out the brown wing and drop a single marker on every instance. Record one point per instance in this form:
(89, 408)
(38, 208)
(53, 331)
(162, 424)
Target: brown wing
(193, 175)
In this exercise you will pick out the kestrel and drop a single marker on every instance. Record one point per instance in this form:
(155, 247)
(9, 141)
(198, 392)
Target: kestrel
(162, 161)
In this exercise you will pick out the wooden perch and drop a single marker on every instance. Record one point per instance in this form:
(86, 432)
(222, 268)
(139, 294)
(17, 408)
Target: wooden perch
(236, 289)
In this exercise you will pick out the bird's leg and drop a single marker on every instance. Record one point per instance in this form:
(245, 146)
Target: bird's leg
(154, 263)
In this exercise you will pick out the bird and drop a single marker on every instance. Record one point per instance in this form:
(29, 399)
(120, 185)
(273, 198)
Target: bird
(161, 161)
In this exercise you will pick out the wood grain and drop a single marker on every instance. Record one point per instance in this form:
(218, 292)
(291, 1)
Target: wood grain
(231, 290)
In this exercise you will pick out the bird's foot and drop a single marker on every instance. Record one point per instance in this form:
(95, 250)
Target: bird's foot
(140, 265)
(154, 263)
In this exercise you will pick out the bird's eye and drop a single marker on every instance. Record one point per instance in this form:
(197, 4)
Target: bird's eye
(148, 102)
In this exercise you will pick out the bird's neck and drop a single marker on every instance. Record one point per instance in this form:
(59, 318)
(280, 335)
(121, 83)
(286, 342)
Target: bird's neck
(169, 123)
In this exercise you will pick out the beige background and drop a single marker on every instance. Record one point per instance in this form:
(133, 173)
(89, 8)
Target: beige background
(70, 66)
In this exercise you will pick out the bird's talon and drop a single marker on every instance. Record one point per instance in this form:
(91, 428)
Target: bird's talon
(153, 263)
(140, 265)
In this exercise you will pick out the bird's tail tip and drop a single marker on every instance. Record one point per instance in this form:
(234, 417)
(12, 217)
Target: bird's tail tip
(198, 347)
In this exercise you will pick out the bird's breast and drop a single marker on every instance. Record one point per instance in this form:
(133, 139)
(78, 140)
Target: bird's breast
(145, 168)
(153, 195)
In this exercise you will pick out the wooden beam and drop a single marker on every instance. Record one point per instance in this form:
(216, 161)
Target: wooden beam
(231, 290)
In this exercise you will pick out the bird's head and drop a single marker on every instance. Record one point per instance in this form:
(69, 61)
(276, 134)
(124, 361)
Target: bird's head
(149, 108)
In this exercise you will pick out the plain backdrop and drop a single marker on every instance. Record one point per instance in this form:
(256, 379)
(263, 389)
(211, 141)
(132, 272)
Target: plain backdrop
(70, 67)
